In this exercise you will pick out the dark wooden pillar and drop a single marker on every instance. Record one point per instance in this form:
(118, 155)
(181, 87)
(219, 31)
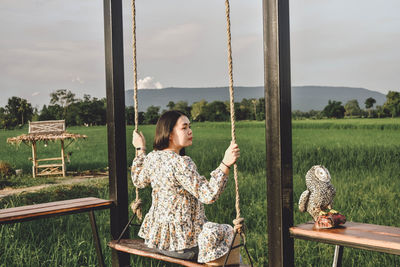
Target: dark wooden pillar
(116, 123)
(278, 132)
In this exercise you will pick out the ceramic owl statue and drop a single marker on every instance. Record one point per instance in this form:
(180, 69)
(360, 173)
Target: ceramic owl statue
(319, 194)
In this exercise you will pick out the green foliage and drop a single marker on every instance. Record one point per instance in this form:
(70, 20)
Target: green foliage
(183, 107)
(334, 109)
(260, 109)
(369, 102)
(62, 97)
(216, 111)
(6, 170)
(152, 114)
(17, 112)
(198, 110)
(393, 103)
(312, 114)
(130, 116)
(352, 108)
(362, 156)
(52, 112)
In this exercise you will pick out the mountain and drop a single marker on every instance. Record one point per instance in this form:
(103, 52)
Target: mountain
(304, 98)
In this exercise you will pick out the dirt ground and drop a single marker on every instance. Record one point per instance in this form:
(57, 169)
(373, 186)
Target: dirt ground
(75, 180)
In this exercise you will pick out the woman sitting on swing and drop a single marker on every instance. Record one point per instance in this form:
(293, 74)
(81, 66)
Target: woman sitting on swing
(176, 224)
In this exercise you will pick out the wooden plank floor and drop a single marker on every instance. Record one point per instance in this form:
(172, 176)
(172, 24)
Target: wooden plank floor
(36, 211)
(351, 234)
(137, 247)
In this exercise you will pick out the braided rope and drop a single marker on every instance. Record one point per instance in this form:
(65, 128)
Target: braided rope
(136, 206)
(238, 222)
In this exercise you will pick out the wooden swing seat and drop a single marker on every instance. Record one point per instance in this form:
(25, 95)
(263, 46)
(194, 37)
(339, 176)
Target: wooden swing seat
(137, 247)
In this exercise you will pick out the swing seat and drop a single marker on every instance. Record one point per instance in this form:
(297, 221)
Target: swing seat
(137, 247)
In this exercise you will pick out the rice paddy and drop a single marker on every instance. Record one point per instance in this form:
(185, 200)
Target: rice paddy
(362, 155)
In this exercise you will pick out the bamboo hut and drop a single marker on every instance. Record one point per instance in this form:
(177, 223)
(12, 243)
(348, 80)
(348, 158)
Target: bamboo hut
(45, 131)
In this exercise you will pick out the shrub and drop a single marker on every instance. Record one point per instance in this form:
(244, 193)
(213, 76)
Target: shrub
(6, 170)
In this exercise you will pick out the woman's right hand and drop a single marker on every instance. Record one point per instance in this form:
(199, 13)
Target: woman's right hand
(232, 153)
(138, 140)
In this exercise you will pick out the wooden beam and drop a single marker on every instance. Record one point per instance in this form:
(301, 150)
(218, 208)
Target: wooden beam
(278, 132)
(48, 159)
(113, 38)
(34, 159)
(62, 158)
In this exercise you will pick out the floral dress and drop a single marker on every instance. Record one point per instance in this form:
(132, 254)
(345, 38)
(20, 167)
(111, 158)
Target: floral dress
(176, 219)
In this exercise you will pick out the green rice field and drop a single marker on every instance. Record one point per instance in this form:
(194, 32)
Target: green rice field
(362, 155)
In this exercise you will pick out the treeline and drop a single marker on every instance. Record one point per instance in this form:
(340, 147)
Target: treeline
(247, 109)
(335, 109)
(92, 111)
(64, 105)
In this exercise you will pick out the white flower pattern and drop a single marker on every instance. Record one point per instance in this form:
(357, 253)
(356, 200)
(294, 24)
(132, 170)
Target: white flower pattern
(176, 217)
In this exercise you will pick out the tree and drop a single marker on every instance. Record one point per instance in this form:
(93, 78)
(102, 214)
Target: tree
(170, 105)
(152, 114)
(244, 109)
(130, 116)
(2, 118)
(380, 111)
(352, 108)
(216, 111)
(198, 110)
(63, 98)
(334, 109)
(19, 110)
(183, 107)
(393, 103)
(255, 102)
(260, 116)
(51, 112)
(369, 102)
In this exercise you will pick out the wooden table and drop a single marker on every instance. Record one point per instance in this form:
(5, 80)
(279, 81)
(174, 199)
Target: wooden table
(57, 208)
(352, 234)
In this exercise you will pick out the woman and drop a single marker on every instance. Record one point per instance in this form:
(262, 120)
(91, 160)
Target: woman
(176, 223)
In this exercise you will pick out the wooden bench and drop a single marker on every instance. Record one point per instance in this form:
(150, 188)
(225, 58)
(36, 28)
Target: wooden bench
(356, 235)
(45, 210)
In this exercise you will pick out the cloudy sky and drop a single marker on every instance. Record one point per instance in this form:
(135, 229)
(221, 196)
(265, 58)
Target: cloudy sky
(52, 44)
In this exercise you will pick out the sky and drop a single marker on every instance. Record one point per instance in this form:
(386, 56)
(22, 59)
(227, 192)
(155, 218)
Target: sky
(52, 44)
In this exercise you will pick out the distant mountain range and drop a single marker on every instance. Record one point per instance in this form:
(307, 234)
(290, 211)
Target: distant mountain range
(304, 98)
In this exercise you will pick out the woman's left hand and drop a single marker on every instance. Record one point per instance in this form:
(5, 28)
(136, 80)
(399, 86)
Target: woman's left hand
(138, 140)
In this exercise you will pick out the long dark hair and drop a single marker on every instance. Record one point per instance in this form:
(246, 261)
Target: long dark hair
(164, 127)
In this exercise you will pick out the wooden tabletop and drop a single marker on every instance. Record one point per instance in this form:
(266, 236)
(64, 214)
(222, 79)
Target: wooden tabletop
(137, 247)
(30, 212)
(352, 234)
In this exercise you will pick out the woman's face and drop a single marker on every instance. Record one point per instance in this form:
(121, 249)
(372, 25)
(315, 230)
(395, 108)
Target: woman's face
(181, 136)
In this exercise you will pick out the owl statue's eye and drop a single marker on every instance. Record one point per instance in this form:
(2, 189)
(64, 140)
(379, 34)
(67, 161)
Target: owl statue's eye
(321, 174)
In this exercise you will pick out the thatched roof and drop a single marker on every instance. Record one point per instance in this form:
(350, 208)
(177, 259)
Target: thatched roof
(37, 137)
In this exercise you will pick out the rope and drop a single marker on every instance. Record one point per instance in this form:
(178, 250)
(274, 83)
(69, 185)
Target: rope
(136, 205)
(238, 222)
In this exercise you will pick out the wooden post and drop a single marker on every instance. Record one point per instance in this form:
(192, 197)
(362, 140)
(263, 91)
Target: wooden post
(116, 132)
(33, 159)
(278, 132)
(62, 157)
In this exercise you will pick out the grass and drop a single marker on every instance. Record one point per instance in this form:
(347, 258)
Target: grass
(363, 160)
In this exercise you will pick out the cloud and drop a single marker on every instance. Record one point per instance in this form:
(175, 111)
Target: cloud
(77, 79)
(149, 83)
(35, 93)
